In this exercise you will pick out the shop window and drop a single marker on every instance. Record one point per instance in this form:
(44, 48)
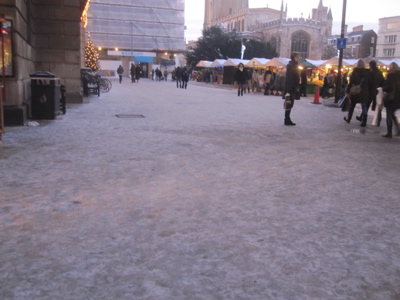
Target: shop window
(6, 54)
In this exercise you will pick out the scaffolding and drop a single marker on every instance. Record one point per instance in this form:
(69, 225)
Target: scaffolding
(139, 25)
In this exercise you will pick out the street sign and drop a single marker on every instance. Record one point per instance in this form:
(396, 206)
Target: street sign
(341, 43)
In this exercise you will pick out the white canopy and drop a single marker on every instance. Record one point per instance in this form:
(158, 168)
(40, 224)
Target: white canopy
(387, 62)
(316, 63)
(218, 63)
(233, 62)
(278, 62)
(257, 62)
(334, 61)
(204, 63)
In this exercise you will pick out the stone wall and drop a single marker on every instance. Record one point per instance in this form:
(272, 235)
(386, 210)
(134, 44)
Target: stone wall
(46, 37)
(57, 42)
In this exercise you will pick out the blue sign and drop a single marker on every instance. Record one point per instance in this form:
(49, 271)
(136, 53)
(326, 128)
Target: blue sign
(341, 43)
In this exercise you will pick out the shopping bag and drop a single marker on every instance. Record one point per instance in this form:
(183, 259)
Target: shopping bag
(344, 103)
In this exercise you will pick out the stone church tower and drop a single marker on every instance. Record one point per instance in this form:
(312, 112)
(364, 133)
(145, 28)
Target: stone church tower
(324, 16)
(305, 36)
(217, 9)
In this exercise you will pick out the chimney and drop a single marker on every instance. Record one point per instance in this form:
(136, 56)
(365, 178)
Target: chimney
(358, 28)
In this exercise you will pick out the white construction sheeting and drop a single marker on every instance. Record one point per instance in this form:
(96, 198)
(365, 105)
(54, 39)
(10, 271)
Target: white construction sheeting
(137, 24)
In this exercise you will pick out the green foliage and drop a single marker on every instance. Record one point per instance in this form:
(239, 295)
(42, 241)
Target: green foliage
(216, 44)
(255, 48)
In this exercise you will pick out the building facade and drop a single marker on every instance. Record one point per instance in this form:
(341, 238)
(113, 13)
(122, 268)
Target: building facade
(39, 36)
(304, 35)
(388, 46)
(146, 32)
(359, 44)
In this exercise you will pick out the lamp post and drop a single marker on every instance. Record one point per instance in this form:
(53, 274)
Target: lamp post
(339, 77)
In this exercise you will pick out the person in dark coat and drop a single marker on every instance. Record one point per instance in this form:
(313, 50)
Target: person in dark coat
(120, 71)
(240, 78)
(132, 71)
(376, 80)
(185, 77)
(392, 99)
(178, 75)
(138, 72)
(158, 74)
(359, 76)
(292, 83)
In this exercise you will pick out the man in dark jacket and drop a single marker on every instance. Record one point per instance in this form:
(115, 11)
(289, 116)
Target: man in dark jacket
(120, 71)
(291, 86)
(178, 75)
(138, 72)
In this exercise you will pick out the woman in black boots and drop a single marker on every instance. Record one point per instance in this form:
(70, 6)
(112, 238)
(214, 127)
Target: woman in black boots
(359, 77)
(240, 78)
(291, 85)
(391, 99)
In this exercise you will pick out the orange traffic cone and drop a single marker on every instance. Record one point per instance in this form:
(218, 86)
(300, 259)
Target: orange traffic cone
(316, 96)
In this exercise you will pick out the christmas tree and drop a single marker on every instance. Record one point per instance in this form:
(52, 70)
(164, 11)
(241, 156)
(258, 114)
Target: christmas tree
(91, 56)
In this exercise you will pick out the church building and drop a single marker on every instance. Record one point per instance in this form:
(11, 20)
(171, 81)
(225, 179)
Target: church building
(306, 36)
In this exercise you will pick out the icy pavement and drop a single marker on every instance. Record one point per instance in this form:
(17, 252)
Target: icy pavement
(209, 196)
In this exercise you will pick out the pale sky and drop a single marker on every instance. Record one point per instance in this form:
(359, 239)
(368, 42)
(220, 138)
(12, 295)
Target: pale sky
(358, 12)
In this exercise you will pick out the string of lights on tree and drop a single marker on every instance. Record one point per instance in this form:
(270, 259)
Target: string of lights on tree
(91, 56)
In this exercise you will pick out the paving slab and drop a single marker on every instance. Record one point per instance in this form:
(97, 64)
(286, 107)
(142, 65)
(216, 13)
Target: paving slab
(207, 196)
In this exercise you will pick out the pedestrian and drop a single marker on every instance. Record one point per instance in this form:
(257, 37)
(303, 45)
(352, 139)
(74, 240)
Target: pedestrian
(132, 71)
(248, 81)
(178, 75)
(325, 88)
(292, 87)
(120, 71)
(240, 78)
(152, 74)
(138, 73)
(158, 74)
(345, 82)
(208, 76)
(165, 74)
(391, 99)
(185, 77)
(331, 79)
(376, 81)
(279, 84)
(267, 80)
(359, 80)
(254, 79)
(303, 87)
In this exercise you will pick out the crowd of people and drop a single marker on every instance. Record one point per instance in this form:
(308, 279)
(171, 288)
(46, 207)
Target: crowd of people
(361, 87)
(364, 86)
(266, 81)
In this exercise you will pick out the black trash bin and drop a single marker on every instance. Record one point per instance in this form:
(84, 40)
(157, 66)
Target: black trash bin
(45, 103)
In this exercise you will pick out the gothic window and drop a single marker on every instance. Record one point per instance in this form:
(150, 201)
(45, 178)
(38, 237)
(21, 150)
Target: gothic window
(300, 43)
(273, 41)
